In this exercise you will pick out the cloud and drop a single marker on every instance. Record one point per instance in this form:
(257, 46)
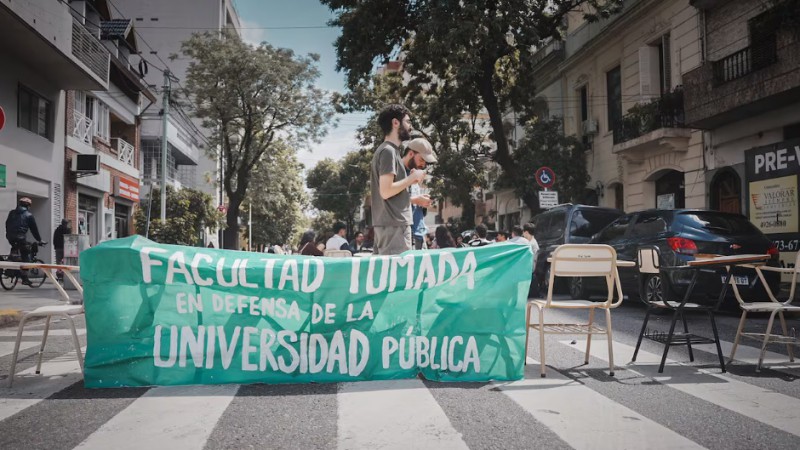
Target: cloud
(251, 33)
(336, 144)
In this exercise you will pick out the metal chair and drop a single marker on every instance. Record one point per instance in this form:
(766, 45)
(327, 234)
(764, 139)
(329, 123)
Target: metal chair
(774, 307)
(65, 311)
(578, 260)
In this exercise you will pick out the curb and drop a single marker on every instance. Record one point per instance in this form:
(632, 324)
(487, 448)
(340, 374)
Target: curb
(10, 317)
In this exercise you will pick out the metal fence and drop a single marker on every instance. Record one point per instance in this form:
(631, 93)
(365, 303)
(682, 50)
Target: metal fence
(745, 61)
(88, 49)
(664, 112)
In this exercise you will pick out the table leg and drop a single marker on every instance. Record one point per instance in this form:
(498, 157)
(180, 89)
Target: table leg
(716, 340)
(52, 278)
(75, 283)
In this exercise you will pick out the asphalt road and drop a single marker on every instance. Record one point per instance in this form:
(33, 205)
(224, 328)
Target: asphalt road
(690, 405)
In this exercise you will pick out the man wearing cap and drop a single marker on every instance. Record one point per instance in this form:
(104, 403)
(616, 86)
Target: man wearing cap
(389, 184)
(418, 155)
(19, 221)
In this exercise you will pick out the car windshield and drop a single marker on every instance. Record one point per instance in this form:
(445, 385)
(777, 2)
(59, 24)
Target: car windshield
(719, 223)
(587, 222)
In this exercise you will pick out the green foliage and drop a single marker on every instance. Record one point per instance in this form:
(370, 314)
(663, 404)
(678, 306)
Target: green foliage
(468, 57)
(278, 198)
(188, 211)
(340, 186)
(322, 223)
(253, 99)
(545, 145)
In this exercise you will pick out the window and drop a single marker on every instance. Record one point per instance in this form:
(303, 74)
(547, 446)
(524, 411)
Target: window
(584, 95)
(585, 223)
(35, 113)
(614, 93)
(614, 232)
(655, 77)
(619, 197)
(551, 226)
(101, 122)
(649, 225)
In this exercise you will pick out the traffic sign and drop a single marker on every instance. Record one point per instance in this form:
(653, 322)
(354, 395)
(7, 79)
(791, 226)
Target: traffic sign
(548, 199)
(2, 118)
(545, 177)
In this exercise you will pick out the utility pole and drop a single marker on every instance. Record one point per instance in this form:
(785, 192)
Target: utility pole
(164, 147)
(250, 227)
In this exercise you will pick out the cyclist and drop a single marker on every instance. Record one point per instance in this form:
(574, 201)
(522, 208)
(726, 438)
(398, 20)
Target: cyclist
(19, 221)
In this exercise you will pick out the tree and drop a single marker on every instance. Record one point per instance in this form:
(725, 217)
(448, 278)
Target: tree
(481, 52)
(252, 99)
(322, 223)
(188, 212)
(277, 198)
(340, 186)
(544, 144)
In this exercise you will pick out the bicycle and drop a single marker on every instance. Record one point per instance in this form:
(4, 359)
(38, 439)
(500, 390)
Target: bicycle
(10, 277)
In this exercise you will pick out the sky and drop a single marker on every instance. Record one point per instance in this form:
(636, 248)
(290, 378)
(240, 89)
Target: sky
(272, 21)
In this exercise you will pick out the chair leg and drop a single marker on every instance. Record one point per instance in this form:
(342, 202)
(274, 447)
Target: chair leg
(75, 341)
(589, 336)
(766, 340)
(716, 340)
(738, 336)
(541, 343)
(41, 348)
(688, 341)
(12, 369)
(669, 341)
(610, 343)
(527, 332)
(641, 333)
(786, 333)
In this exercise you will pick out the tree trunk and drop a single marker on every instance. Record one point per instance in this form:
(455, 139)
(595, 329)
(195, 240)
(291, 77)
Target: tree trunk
(231, 234)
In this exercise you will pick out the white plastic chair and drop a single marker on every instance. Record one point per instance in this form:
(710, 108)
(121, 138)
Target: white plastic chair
(578, 260)
(337, 253)
(774, 307)
(65, 311)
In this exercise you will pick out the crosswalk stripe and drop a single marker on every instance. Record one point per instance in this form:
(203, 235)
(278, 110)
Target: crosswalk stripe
(165, 417)
(29, 389)
(749, 355)
(38, 333)
(766, 406)
(7, 347)
(390, 414)
(586, 419)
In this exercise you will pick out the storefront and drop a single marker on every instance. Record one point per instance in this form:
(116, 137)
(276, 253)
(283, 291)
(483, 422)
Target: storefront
(771, 174)
(126, 195)
(89, 217)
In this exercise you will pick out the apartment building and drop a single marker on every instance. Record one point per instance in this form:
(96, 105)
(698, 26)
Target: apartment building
(746, 97)
(103, 131)
(165, 25)
(45, 51)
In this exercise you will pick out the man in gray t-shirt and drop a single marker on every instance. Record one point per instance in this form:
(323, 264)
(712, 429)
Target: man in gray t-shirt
(391, 200)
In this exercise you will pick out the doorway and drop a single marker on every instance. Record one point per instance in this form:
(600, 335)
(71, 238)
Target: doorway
(726, 192)
(670, 192)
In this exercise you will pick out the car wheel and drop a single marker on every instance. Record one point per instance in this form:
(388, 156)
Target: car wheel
(576, 288)
(653, 289)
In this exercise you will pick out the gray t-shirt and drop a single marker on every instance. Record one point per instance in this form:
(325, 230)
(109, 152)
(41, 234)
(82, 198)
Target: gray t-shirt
(396, 211)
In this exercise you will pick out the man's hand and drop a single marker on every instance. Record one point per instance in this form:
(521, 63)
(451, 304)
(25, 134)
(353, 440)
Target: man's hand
(421, 200)
(416, 176)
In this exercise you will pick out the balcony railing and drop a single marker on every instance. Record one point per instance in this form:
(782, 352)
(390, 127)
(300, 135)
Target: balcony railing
(664, 112)
(82, 128)
(745, 61)
(124, 149)
(88, 49)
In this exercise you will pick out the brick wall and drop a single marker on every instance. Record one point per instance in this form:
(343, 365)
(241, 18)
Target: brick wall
(726, 27)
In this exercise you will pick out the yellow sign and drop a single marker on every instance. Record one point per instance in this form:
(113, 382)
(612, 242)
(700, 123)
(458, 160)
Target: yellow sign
(773, 205)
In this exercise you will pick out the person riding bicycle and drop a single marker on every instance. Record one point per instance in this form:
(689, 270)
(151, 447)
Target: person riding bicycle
(19, 221)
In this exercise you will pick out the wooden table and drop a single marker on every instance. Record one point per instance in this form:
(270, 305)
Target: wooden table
(48, 271)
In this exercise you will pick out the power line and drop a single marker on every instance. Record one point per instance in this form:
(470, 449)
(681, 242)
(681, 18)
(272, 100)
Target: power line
(309, 27)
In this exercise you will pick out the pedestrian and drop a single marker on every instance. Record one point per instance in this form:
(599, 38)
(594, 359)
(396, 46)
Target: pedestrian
(459, 240)
(516, 236)
(418, 154)
(502, 236)
(338, 241)
(357, 244)
(308, 245)
(527, 233)
(480, 238)
(58, 239)
(18, 223)
(389, 183)
(429, 240)
(443, 238)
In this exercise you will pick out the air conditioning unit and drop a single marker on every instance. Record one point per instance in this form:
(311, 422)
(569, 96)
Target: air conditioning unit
(84, 165)
(589, 127)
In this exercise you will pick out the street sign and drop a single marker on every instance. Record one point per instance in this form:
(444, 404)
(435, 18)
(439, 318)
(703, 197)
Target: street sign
(548, 199)
(2, 118)
(2, 175)
(545, 177)
(222, 208)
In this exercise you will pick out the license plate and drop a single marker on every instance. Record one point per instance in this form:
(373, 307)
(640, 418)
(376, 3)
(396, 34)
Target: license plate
(739, 280)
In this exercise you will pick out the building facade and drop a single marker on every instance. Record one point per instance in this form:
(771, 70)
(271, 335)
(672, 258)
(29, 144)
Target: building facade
(44, 51)
(746, 97)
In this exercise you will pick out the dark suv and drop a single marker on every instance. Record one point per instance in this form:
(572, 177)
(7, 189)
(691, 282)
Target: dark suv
(681, 234)
(566, 224)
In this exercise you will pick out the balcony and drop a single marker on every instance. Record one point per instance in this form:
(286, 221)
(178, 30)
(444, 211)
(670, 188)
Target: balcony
(124, 150)
(648, 127)
(88, 50)
(82, 128)
(747, 83)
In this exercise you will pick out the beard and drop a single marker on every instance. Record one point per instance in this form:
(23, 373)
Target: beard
(404, 134)
(412, 163)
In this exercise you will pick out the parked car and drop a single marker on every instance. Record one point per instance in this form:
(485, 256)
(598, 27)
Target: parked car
(566, 224)
(680, 235)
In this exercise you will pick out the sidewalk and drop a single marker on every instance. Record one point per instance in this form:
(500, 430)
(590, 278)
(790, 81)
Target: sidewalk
(23, 298)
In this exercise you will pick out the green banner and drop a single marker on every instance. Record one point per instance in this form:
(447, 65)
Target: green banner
(169, 315)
